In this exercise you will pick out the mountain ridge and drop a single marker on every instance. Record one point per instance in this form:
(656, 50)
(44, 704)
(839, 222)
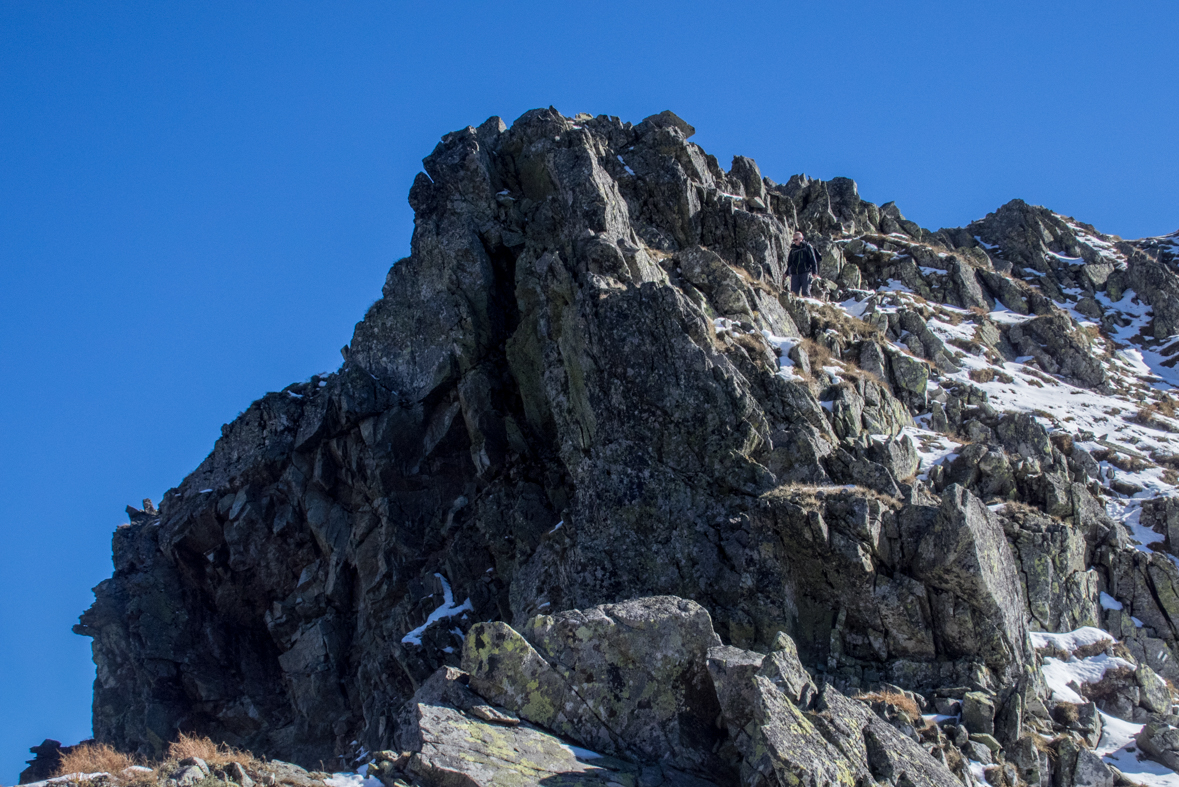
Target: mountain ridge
(586, 386)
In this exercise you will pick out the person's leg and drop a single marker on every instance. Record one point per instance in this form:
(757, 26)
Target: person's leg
(804, 285)
(796, 283)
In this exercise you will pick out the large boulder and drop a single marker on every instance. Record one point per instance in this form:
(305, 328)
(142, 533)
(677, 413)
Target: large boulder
(448, 736)
(629, 679)
(964, 557)
(789, 732)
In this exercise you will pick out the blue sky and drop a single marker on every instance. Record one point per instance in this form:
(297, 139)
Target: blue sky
(198, 201)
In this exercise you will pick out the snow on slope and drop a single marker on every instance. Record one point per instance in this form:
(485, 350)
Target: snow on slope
(1096, 420)
(1118, 420)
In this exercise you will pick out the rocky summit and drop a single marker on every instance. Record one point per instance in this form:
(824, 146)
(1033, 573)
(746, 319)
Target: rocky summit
(593, 500)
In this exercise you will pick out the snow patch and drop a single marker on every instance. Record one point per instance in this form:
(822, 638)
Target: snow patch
(1059, 674)
(447, 610)
(1109, 602)
(580, 753)
(357, 779)
(1119, 748)
(1071, 640)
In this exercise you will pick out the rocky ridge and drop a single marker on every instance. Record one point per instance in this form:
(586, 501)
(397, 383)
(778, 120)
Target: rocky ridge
(858, 541)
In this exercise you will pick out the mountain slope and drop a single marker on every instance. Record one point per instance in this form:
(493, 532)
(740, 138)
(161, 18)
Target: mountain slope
(585, 385)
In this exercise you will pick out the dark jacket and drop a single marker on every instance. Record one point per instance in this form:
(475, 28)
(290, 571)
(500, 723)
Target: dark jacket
(802, 259)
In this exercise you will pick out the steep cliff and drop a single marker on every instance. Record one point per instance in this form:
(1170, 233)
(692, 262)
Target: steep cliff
(586, 385)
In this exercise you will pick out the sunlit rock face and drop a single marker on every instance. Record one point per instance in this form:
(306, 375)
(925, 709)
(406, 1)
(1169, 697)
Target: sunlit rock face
(586, 385)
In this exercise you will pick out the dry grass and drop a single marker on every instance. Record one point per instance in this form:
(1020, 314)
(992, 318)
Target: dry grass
(1063, 442)
(1122, 652)
(899, 701)
(1165, 405)
(1108, 688)
(1153, 413)
(217, 755)
(817, 354)
(1170, 461)
(101, 758)
(852, 371)
(814, 495)
(1066, 713)
(954, 759)
(1093, 649)
(987, 375)
(969, 345)
(828, 316)
(1032, 370)
(1122, 461)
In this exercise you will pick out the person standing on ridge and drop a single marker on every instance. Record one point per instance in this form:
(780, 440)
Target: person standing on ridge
(802, 264)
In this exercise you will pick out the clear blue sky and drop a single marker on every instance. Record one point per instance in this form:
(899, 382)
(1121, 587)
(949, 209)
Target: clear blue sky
(199, 200)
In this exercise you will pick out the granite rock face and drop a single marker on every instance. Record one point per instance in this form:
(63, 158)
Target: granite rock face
(769, 724)
(586, 449)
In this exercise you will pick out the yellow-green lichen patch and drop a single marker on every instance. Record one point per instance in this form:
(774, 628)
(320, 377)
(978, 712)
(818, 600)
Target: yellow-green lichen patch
(459, 749)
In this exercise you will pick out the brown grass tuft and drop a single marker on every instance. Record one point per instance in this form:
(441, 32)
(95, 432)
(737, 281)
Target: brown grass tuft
(972, 347)
(1093, 649)
(95, 758)
(1157, 414)
(831, 317)
(817, 354)
(1065, 713)
(1063, 442)
(1130, 464)
(216, 755)
(894, 698)
(954, 759)
(986, 375)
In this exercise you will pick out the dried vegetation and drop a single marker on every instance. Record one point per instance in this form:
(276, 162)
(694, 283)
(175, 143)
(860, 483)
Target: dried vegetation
(125, 770)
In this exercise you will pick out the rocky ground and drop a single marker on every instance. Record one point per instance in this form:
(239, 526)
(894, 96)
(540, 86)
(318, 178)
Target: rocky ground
(922, 532)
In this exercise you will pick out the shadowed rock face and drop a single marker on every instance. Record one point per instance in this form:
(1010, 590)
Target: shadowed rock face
(565, 397)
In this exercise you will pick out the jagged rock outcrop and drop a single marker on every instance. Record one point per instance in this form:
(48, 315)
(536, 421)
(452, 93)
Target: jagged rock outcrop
(585, 386)
(723, 714)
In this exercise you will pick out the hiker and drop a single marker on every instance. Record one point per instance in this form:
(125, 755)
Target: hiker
(802, 265)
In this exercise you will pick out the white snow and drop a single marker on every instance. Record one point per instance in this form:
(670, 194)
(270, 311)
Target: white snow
(1109, 602)
(1005, 315)
(978, 771)
(580, 753)
(73, 778)
(854, 307)
(1129, 512)
(933, 448)
(784, 345)
(1059, 674)
(937, 718)
(446, 610)
(357, 779)
(556, 527)
(1071, 640)
(1118, 747)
